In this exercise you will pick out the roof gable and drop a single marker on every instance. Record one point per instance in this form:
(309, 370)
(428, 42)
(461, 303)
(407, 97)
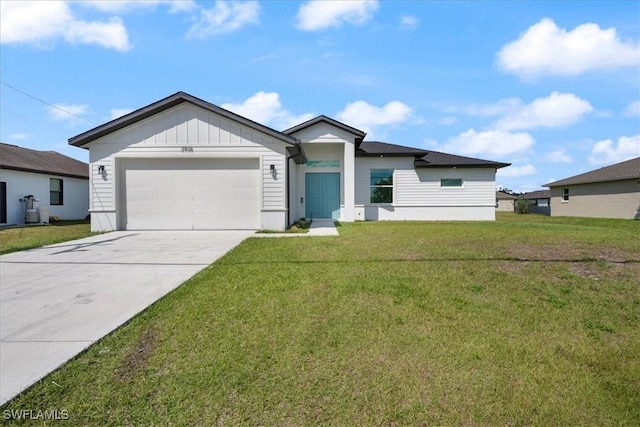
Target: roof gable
(165, 104)
(629, 169)
(324, 119)
(44, 162)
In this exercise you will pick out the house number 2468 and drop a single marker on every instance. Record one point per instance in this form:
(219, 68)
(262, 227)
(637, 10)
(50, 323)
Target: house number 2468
(187, 149)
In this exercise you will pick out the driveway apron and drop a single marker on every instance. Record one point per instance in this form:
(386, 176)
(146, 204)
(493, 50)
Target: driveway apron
(57, 300)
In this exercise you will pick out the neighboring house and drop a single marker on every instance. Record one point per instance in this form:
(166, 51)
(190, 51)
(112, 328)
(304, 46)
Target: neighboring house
(609, 192)
(58, 182)
(505, 201)
(184, 163)
(540, 201)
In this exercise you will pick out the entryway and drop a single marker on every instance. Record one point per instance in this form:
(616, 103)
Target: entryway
(323, 195)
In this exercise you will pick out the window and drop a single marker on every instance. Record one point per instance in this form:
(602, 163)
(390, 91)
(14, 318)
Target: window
(565, 194)
(323, 163)
(381, 185)
(55, 191)
(451, 182)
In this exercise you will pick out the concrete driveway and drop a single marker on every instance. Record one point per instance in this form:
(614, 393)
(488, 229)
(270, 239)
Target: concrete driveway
(57, 300)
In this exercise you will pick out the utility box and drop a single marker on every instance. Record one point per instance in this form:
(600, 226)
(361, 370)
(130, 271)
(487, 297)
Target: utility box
(44, 214)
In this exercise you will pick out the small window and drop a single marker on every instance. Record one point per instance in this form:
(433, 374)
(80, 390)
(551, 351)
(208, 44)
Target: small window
(451, 182)
(565, 194)
(55, 192)
(323, 163)
(381, 182)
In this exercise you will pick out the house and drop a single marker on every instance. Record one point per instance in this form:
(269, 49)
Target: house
(505, 201)
(609, 192)
(539, 201)
(184, 163)
(59, 183)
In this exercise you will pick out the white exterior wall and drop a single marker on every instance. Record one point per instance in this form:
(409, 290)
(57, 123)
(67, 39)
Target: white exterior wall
(323, 141)
(166, 135)
(19, 184)
(417, 194)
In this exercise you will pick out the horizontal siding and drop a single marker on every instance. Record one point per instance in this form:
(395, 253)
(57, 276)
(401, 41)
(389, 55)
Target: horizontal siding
(274, 190)
(422, 187)
(102, 185)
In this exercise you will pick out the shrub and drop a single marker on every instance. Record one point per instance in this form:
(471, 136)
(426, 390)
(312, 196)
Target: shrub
(523, 205)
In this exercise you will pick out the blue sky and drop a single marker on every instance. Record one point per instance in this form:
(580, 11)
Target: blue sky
(551, 87)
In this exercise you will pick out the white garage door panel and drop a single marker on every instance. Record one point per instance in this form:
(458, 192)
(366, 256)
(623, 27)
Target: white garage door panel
(175, 194)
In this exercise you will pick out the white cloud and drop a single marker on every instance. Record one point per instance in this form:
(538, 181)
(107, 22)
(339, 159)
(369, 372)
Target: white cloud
(224, 17)
(266, 108)
(517, 171)
(20, 136)
(633, 109)
(503, 106)
(556, 110)
(366, 117)
(559, 156)
(41, 23)
(122, 6)
(320, 15)
(608, 152)
(67, 112)
(118, 112)
(492, 143)
(408, 22)
(546, 49)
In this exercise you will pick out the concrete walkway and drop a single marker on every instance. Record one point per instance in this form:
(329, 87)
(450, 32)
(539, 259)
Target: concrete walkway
(57, 300)
(319, 227)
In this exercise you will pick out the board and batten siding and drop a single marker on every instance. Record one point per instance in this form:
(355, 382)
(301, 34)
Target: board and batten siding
(166, 134)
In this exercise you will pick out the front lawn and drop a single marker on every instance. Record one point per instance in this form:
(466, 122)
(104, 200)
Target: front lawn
(517, 322)
(21, 238)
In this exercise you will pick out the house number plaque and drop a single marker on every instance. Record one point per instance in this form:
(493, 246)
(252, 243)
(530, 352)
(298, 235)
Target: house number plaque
(187, 149)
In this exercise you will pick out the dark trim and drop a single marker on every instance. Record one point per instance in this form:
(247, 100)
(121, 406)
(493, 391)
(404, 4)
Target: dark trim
(322, 118)
(39, 171)
(3, 202)
(420, 164)
(165, 104)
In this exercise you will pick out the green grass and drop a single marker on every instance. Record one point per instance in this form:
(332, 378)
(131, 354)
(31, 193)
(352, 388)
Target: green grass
(22, 238)
(526, 321)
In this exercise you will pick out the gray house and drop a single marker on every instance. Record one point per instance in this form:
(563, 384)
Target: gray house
(609, 192)
(505, 201)
(540, 201)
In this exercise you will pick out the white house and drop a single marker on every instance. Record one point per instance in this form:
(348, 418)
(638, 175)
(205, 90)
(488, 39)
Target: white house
(184, 163)
(59, 183)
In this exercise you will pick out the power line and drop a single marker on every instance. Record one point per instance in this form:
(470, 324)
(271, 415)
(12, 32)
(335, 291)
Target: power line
(46, 103)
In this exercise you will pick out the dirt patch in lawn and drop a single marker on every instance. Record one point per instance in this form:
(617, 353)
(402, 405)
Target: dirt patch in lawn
(138, 358)
(554, 252)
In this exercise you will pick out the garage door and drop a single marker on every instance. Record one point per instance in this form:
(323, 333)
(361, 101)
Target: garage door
(190, 194)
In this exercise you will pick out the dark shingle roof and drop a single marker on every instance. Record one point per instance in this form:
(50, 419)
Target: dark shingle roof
(356, 132)
(376, 149)
(504, 196)
(164, 104)
(436, 159)
(539, 194)
(46, 162)
(624, 170)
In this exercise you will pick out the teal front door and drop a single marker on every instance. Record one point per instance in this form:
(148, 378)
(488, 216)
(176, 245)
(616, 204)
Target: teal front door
(323, 195)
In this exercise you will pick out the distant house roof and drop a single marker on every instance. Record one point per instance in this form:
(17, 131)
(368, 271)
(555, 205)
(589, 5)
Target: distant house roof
(436, 159)
(356, 132)
(539, 194)
(45, 162)
(624, 170)
(164, 104)
(504, 196)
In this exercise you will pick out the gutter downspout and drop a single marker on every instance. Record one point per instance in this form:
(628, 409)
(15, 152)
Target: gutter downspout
(288, 175)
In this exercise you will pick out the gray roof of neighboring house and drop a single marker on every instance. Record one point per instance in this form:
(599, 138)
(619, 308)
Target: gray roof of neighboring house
(357, 132)
(504, 196)
(164, 104)
(538, 194)
(45, 162)
(629, 169)
(437, 159)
